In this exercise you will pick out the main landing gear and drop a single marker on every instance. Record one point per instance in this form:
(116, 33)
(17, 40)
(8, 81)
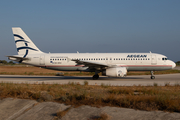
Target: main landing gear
(152, 75)
(95, 77)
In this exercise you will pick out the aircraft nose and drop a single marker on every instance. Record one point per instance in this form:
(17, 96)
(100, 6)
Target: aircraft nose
(173, 64)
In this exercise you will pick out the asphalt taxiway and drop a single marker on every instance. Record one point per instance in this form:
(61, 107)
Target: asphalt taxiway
(177, 68)
(143, 80)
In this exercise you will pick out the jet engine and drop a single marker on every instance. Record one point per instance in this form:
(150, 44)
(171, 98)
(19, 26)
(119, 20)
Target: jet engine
(115, 72)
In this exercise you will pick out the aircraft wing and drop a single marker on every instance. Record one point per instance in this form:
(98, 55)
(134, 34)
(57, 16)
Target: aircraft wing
(91, 64)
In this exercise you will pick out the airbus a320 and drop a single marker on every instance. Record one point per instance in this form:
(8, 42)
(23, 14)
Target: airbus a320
(110, 64)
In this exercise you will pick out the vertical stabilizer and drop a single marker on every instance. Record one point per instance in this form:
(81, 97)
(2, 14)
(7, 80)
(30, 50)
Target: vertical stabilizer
(23, 43)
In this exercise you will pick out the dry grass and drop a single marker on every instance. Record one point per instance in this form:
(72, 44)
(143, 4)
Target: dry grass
(166, 98)
(25, 70)
(31, 70)
(156, 72)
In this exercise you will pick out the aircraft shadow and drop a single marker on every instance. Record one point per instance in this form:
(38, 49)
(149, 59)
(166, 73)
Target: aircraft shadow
(47, 78)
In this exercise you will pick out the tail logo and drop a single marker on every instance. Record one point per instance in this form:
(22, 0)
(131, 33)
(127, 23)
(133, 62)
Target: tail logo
(24, 47)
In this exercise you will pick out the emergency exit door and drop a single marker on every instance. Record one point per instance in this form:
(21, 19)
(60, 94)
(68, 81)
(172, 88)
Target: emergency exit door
(42, 60)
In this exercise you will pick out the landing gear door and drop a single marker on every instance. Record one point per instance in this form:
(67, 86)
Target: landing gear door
(153, 60)
(42, 60)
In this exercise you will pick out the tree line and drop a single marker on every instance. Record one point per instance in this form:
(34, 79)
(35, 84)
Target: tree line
(178, 63)
(4, 62)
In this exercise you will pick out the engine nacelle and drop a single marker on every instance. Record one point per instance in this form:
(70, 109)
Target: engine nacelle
(115, 72)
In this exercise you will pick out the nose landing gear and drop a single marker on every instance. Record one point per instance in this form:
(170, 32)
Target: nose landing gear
(152, 75)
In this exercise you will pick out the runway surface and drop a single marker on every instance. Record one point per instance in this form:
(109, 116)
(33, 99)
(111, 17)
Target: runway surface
(177, 68)
(143, 80)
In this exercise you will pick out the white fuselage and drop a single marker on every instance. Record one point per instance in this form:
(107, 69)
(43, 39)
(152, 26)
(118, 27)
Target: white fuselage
(132, 61)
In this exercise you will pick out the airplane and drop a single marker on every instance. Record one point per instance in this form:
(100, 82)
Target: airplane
(110, 64)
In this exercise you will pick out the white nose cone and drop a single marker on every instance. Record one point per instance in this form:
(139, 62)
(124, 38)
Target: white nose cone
(173, 65)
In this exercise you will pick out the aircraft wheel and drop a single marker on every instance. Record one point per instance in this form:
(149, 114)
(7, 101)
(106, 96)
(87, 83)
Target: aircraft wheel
(95, 77)
(152, 77)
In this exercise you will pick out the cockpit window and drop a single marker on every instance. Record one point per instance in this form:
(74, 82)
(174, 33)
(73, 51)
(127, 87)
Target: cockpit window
(164, 58)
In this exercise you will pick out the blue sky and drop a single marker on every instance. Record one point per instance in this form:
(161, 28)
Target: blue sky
(93, 26)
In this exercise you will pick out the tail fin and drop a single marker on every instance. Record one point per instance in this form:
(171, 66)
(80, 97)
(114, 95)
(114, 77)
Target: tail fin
(24, 44)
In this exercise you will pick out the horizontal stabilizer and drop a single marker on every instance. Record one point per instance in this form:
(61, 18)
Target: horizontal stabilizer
(16, 58)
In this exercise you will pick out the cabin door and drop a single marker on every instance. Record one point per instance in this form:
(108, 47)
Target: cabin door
(153, 60)
(42, 60)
